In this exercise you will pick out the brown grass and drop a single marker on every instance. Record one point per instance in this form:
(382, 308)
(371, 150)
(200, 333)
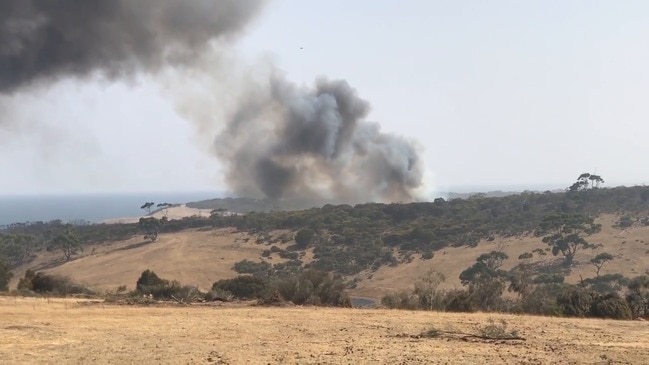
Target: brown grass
(70, 331)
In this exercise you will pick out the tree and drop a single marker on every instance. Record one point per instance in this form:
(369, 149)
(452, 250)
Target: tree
(600, 260)
(150, 227)
(17, 248)
(147, 206)
(68, 242)
(426, 289)
(586, 181)
(304, 237)
(165, 206)
(485, 279)
(5, 275)
(565, 233)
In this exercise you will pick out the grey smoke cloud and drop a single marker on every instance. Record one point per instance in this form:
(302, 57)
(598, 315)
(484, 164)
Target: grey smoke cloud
(283, 141)
(44, 40)
(280, 142)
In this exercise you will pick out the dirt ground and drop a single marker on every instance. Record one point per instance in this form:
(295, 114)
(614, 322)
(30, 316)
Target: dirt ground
(35, 330)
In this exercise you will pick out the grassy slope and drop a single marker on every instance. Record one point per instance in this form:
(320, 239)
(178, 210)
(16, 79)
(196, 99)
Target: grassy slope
(202, 257)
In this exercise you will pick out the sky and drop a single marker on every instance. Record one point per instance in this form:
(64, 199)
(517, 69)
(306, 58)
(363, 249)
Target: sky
(498, 95)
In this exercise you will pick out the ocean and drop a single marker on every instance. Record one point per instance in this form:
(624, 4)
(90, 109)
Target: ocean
(91, 207)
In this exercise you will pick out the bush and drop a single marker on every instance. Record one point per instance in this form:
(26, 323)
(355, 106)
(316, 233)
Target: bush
(543, 300)
(401, 300)
(427, 255)
(289, 255)
(312, 287)
(56, 285)
(575, 302)
(218, 295)
(251, 267)
(149, 279)
(5, 275)
(304, 237)
(161, 289)
(458, 301)
(610, 306)
(243, 287)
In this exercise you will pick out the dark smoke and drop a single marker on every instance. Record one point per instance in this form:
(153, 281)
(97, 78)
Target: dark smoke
(314, 144)
(43, 40)
(282, 142)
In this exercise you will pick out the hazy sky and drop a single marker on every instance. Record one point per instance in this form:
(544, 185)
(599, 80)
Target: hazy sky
(497, 94)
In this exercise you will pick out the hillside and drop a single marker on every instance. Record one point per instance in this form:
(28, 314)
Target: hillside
(378, 248)
(203, 257)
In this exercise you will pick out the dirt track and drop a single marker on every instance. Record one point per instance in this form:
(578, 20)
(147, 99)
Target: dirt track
(71, 331)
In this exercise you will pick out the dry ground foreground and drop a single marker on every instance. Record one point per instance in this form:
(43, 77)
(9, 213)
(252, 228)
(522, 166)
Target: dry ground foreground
(70, 331)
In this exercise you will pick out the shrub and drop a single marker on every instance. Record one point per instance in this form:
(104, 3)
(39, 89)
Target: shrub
(575, 302)
(5, 275)
(150, 284)
(289, 255)
(313, 287)
(427, 255)
(218, 295)
(56, 285)
(149, 279)
(400, 300)
(304, 237)
(243, 287)
(458, 301)
(542, 300)
(610, 306)
(251, 267)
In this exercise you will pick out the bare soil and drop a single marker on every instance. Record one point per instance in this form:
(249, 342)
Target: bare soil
(69, 331)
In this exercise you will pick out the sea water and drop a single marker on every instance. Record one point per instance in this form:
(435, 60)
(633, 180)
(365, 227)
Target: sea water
(88, 207)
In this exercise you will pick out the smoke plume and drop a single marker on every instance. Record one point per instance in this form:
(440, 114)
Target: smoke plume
(283, 141)
(278, 141)
(44, 40)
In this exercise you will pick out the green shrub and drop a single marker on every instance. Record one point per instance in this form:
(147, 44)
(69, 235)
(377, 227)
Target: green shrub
(313, 287)
(161, 289)
(427, 255)
(5, 275)
(575, 302)
(149, 278)
(57, 285)
(304, 237)
(243, 287)
(458, 301)
(542, 300)
(610, 306)
(253, 268)
(401, 300)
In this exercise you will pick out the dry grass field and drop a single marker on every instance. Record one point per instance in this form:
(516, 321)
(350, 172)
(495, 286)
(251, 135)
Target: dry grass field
(69, 331)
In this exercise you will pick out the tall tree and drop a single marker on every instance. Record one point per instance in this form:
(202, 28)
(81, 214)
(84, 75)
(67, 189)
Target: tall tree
(150, 227)
(600, 260)
(565, 233)
(166, 207)
(67, 242)
(147, 206)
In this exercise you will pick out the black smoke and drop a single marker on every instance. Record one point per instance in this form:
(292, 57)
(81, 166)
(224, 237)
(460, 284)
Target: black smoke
(280, 142)
(45, 40)
(286, 142)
